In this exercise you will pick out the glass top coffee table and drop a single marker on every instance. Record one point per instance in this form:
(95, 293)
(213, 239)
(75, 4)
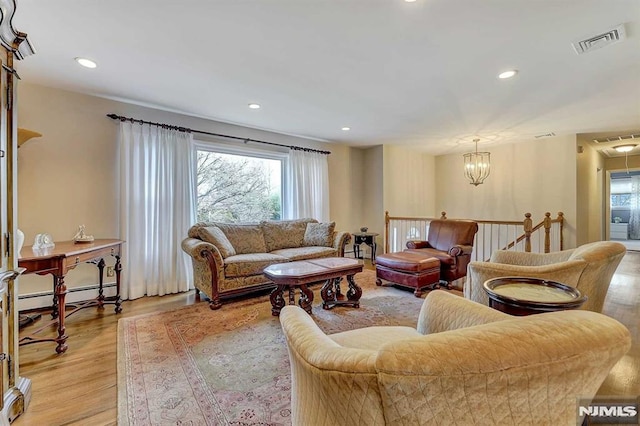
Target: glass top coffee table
(526, 296)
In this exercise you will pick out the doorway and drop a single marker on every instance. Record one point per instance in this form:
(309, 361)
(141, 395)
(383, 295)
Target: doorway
(624, 213)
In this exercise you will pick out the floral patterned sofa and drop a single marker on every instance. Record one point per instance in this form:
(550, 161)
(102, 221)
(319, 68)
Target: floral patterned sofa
(228, 258)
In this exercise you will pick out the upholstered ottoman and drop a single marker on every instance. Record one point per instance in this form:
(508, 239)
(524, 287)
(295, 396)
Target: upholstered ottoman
(408, 269)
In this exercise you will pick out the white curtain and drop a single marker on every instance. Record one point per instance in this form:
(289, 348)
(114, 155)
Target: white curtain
(307, 186)
(634, 217)
(157, 207)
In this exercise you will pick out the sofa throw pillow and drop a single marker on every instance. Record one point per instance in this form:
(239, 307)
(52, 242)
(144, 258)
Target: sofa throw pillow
(215, 236)
(245, 238)
(284, 234)
(319, 234)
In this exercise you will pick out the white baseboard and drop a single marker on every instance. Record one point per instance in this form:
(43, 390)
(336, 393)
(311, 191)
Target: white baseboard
(45, 299)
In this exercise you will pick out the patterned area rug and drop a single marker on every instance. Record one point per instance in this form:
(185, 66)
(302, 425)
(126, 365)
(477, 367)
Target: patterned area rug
(229, 367)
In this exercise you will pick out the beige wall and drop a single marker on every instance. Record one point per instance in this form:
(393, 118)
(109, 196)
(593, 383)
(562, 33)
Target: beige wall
(589, 194)
(69, 176)
(534, 176)
(409, 182)
(372, 207)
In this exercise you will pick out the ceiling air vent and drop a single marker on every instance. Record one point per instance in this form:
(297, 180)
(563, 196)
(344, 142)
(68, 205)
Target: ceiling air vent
(600, 40)
(617, 138)
(545, 135)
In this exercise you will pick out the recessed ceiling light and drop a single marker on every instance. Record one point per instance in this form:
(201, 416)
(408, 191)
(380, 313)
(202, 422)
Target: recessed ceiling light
(624, 148)
(508, 74)
(409, 1)
(87, 63)
(254, 106)
(346, 129)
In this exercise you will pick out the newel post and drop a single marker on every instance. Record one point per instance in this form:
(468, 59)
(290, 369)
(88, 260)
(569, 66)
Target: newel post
(547, 232)
(386, 231)
(561, 220)
(528, 228)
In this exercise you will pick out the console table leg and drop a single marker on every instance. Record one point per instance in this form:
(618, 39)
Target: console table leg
(54, 308)
(100, 284)
(61, 292)
(117, 268)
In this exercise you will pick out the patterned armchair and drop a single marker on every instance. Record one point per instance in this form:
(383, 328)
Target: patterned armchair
(465, 363)
(589, 268)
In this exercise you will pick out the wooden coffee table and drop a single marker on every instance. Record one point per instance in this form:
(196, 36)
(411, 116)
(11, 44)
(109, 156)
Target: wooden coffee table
(301, 273)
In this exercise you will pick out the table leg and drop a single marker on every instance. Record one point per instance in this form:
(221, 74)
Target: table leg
(61, 292)
(276, 299)
(118, 267)
(100, 283)
(306, 298)
(355, 292)
(373, 252)
(54, 308)
(327, 294)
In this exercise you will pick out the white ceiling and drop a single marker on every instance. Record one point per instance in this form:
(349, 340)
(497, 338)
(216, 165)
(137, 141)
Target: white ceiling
(419, 74)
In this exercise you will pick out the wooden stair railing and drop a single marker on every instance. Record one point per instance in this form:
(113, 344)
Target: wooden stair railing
(492, 235)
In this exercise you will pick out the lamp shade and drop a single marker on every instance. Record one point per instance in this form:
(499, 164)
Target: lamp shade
(477, 165)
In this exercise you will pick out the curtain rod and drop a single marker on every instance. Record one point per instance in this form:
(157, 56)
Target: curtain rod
(185, 129)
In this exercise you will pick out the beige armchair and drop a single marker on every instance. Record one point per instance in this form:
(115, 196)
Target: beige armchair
(465, 363)
(589, 268)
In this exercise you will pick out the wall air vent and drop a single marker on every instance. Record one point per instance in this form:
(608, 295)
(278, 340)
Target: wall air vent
(545, 135)
(600, 40)
(617, 138)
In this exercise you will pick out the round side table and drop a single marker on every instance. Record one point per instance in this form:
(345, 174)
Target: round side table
(526, 296)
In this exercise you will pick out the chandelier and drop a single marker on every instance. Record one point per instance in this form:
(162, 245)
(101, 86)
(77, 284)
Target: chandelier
(477, 165)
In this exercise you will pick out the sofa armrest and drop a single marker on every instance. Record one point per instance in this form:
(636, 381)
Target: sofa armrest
(197, 249)
(416, 244)
(529, 259)
(478, 272)
(340, 241)
(459, 250)
(208, 268)
(442, 311)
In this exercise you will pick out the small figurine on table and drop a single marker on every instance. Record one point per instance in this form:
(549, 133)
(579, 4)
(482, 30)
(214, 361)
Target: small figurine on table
(81, 236)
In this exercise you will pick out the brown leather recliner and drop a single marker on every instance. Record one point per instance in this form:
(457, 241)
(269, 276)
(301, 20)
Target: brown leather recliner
(451, 242)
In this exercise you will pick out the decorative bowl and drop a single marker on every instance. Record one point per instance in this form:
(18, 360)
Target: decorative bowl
(364, 229)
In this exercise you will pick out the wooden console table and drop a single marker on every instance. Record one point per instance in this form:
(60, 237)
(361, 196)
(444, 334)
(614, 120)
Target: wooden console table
(59, 260)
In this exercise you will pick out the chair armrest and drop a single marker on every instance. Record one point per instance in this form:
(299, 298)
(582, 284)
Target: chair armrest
(340, 241)
(305, 339)
(443, 311)
(529, 259)
(478, 272)
(416, 244)
(459, 250)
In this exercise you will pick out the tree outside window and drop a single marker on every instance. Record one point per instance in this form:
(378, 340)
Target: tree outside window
(237, 188)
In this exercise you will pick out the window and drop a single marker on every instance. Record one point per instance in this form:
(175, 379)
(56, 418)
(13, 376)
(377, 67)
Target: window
(238, 186)
(621, 193)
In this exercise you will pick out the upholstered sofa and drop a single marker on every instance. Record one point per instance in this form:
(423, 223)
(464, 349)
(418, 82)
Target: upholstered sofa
(463, 364)
(228, 259)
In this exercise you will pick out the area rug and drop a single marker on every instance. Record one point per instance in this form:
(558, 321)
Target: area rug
(229, 367)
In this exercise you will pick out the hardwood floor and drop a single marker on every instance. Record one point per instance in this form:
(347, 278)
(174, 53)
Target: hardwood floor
(79, 387)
